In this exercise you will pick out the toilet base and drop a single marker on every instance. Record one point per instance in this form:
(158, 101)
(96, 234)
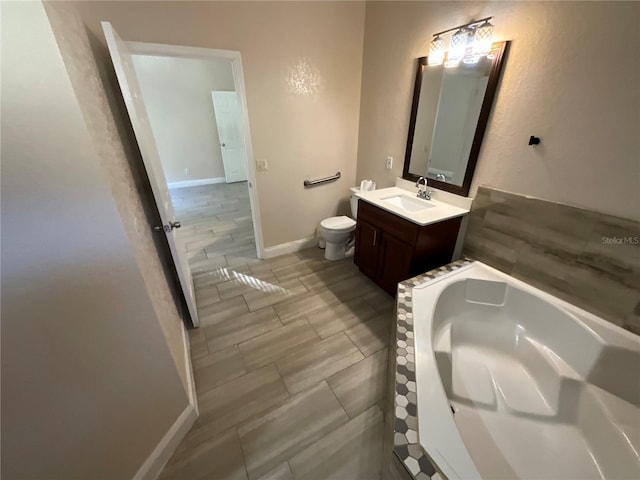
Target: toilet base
(337, 251)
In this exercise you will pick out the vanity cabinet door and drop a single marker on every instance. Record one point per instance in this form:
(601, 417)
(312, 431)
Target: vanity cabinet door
(390, 249)
(395, 263)
(368, 240)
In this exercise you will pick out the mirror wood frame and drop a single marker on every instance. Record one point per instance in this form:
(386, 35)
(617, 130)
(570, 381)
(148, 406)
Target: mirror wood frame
(499, 50)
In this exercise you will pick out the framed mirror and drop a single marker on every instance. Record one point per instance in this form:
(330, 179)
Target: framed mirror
(449, 115)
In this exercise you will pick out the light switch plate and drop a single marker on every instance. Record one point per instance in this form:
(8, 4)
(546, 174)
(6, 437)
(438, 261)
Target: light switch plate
(262, 164)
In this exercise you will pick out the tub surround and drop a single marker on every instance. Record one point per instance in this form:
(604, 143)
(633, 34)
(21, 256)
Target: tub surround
(401, 429)
(589, 259)
(410, 461)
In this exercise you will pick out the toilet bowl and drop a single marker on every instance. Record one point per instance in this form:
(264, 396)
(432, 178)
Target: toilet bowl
(336, 232)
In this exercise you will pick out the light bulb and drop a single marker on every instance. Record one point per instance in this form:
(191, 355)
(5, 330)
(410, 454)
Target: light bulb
(458, 46)
(482, 39)
(436, 51)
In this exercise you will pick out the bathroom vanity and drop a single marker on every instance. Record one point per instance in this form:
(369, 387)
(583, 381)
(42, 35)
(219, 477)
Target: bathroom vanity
(399, 235)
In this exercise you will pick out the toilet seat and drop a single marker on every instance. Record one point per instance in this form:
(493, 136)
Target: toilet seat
(341, 223)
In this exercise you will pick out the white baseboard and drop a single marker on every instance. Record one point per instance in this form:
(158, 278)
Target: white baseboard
(151, 468)
(191, 384)
(295, 246)
(196, 183)
(154, 464)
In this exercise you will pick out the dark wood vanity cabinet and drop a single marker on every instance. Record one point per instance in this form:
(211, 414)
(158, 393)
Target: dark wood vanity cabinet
(390, 249)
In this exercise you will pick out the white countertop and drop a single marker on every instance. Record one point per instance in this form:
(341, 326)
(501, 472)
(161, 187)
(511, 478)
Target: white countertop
(439, 212)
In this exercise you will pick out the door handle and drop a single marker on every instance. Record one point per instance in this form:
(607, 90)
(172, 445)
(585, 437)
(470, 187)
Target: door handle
(375, 235)
(167, 228)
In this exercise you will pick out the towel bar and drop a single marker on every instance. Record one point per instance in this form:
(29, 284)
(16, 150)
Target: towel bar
(313, 183)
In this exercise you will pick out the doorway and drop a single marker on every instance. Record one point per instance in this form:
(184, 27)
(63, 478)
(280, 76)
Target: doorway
(211, 219)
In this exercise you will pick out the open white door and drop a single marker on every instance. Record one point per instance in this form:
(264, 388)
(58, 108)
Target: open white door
(234, 157)
(121, 57)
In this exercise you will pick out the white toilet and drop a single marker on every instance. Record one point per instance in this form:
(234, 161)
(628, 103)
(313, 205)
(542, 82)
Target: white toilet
(336, 232)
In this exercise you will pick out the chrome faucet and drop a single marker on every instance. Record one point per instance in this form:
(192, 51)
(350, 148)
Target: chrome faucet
(441, 177)
(423, 193)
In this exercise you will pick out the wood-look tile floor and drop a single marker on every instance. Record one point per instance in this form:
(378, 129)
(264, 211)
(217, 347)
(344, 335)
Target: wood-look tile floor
(290, 359)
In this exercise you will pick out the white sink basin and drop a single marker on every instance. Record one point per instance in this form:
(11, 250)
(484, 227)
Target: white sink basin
(405, 204)
(408, 203)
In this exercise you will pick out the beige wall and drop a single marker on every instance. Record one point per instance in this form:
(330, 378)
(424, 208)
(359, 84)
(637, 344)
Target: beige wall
(177, 96)
(300, 136)
(105, 117)
(571, 78)
(89, 386)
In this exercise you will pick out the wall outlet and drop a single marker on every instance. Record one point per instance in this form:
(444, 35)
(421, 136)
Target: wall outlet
(187, 171)
(389, 163)
(262, 164)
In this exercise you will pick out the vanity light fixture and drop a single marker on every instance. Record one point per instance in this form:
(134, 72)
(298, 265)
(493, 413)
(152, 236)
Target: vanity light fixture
(468, 44)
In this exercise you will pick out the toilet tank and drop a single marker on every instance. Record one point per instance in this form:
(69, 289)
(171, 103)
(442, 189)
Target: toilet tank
(354, 202)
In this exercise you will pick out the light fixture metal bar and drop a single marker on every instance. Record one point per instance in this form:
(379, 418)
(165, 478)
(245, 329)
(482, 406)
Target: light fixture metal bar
(473, 22)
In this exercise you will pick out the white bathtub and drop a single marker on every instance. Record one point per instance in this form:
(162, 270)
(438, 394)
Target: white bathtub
(540, 388)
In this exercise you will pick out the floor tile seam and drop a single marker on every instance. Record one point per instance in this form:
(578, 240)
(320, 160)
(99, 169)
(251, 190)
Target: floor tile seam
(291, 470)
(317, 309)
(184, 462)
(206, 346)
(208, 306)
(349, 315)
(286, 298)
(285, 324)
(336, 396)
(354, 343)
(269, 411)
(306, 318)
(246, 304)
(291, 394)
(384, 394)
(242, 452)
(207, 339)
(333, 282)
(239, 281)
(364, 357)
(237, 345)
(375, 351)
(282, 355)
(275, 329)
(202, 391)
(203, 288)
(326, 379)
(225, 297)
(347, 419)
(255, 416)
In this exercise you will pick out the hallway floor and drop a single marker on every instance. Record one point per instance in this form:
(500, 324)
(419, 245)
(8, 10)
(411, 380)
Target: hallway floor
(289, 361)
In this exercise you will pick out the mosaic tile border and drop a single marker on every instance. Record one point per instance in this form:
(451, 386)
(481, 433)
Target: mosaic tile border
(405, 434)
